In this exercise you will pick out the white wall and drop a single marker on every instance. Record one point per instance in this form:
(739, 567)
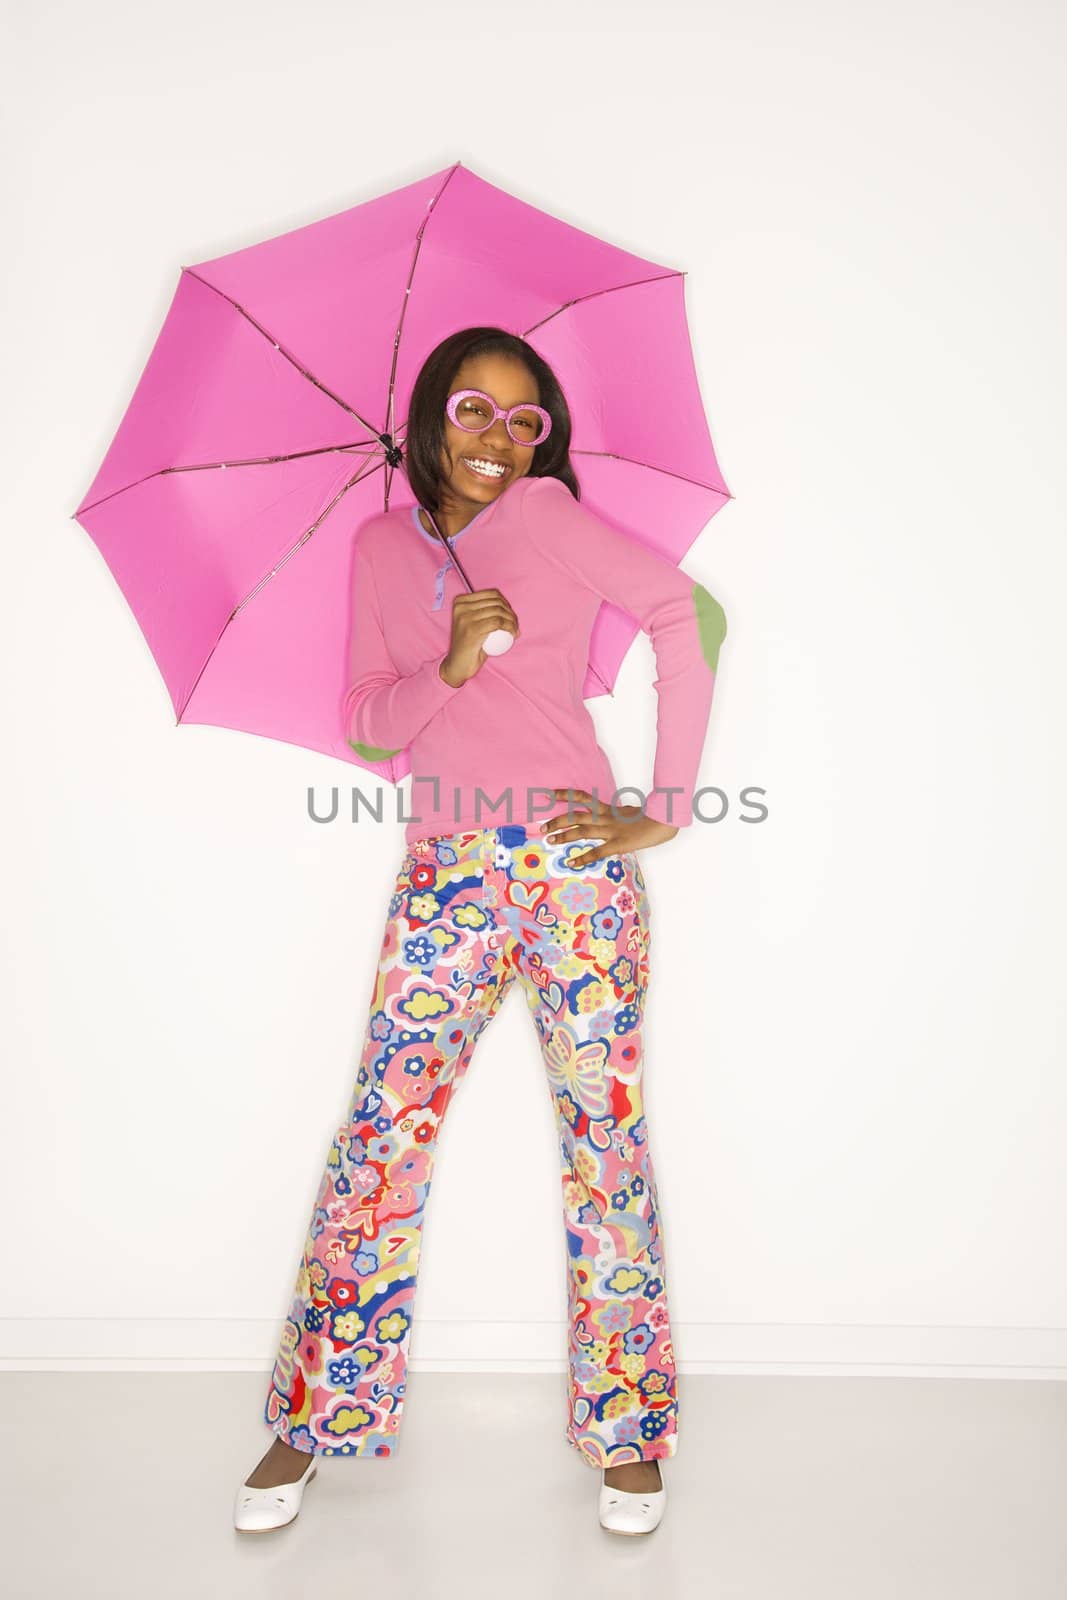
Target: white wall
(856, 1041)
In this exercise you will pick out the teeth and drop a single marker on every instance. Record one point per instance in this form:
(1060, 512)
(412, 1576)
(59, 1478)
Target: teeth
(488, 469)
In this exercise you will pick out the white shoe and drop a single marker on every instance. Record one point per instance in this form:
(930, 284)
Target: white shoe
(622, 1511)
(256, 1510)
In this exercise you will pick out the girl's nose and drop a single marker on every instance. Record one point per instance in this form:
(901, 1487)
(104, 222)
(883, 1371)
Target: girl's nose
(497, 433)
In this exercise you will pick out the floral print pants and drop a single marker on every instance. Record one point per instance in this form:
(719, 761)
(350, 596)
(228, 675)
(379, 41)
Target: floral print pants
(470, 913)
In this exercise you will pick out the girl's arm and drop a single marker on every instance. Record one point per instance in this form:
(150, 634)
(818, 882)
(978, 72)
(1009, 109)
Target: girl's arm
(685, 622)
(383, 710)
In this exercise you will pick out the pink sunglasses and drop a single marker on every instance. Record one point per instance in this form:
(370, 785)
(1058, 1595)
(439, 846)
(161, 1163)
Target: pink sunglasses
(480, 411)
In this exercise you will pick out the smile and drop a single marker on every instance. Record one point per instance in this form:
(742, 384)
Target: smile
(483, 468)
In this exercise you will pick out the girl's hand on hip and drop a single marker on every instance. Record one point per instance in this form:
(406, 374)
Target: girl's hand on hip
(622, 828)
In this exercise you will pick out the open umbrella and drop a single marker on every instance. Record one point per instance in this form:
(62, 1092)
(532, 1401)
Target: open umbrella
(268, 422)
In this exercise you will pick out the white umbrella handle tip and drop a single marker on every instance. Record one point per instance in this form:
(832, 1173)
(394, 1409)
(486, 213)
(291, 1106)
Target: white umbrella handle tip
(498, 643)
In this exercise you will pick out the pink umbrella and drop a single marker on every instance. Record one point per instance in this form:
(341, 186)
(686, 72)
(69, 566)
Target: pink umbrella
(265, 428)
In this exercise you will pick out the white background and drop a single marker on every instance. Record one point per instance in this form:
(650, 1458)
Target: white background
(855, 1043)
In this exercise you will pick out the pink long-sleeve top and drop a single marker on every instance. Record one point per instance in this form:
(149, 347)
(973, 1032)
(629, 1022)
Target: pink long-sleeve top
(520, 727)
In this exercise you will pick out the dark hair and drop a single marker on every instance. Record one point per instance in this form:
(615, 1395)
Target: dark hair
(424, 439)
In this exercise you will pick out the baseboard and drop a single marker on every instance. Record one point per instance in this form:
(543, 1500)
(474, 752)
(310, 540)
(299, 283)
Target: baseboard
(825, 1349)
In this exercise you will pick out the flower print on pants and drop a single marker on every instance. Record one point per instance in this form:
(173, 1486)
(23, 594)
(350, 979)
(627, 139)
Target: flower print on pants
(471, 913)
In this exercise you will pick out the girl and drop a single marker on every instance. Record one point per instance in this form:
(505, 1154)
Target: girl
(516, 867)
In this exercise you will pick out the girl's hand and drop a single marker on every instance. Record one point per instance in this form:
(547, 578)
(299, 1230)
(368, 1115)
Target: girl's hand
(474, 616)
(596, 818)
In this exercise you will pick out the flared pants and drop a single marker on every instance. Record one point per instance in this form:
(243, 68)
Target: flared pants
(470, 914)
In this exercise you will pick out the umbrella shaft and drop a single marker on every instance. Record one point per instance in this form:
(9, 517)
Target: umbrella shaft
(451, 553)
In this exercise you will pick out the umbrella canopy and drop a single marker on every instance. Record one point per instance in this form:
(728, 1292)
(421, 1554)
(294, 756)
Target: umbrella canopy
(264, 429)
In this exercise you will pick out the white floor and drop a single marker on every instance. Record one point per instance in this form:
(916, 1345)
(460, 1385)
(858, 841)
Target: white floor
(782, 1488)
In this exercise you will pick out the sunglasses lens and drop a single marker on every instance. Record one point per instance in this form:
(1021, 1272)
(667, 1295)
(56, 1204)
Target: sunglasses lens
(473, 414)
(528, 426)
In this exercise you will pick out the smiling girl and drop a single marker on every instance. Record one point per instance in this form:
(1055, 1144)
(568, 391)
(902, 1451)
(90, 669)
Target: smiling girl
(517, 868)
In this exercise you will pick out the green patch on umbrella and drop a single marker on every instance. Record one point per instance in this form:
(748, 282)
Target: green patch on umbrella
(711, 624)
(372, 752)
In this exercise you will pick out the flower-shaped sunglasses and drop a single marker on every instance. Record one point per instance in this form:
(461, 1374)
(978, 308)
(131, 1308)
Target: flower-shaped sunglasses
(473, 410)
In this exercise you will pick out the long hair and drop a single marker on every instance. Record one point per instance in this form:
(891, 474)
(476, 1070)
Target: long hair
(425, 436)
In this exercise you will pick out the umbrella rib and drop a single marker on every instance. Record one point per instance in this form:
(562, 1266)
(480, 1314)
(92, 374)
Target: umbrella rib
(357, 448)
(613, 455)
(596, 674)
(682, 477)
(371, 429)
(611, 289)
(357, 477)
(403, 313)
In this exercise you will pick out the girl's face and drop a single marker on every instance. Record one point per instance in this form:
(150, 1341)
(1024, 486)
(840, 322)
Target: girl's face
(511, 383)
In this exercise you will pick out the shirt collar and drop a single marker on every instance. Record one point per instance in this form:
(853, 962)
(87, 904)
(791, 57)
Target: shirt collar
(431, 538)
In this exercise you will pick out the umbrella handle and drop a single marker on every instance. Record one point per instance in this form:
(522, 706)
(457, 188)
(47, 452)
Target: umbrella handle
(498, 643)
